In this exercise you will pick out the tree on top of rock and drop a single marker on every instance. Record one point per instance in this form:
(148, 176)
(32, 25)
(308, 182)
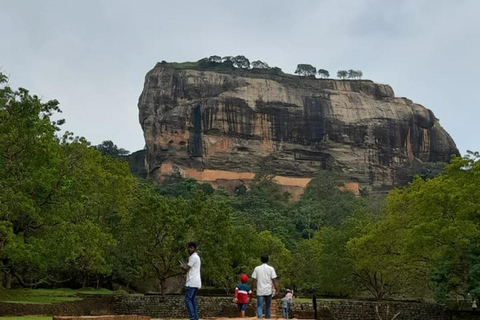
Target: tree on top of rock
(306, 70)
(355, 74)
(216, 59)
(241, 62)
(323, 73)
(260, 65)
(342, 74)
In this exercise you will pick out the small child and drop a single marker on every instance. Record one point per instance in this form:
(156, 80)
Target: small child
(286, 300)
(289, 294)
(285, 307)
(242, 292)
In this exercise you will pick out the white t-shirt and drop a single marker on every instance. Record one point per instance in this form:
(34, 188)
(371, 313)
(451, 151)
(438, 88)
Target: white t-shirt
(264, 275)
(193, 275)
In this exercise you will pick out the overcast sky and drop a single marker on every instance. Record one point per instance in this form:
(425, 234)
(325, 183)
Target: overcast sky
(92, 56)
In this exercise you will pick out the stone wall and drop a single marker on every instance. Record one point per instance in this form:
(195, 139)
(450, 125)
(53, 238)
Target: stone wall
(366, 310)
(90, 305)
(173, 306)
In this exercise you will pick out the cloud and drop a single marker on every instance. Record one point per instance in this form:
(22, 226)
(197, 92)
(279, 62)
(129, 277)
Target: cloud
(93, 55)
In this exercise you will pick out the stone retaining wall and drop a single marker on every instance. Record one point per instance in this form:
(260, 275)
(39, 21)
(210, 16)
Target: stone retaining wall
(366, 310)
(91, 305)
(173, 306)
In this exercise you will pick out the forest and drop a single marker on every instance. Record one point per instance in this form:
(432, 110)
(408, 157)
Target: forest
(74, 216)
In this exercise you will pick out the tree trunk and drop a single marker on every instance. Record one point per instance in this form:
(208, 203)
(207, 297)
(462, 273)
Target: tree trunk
(162, 286)
(8, 280)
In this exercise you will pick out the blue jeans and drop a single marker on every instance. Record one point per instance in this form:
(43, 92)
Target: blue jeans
(191, 302)
(268, 303)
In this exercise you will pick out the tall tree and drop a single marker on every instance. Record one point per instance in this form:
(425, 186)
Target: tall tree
(54, 187)
(306, 70)
(28, 167)
(428, 236)
(153, 237)
(211, 227)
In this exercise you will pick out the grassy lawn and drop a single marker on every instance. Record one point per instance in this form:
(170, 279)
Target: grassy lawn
(47, 296)
(302, 300)
(26, 318)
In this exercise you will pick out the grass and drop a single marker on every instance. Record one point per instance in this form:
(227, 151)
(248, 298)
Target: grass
(183, 65)
(48, 296)
(27, 318)
(302, 300)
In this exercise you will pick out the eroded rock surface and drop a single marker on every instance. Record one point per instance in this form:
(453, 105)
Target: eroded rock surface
(222, 128)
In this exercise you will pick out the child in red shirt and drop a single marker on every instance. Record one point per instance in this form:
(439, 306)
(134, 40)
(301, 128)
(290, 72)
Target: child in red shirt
(242, 292)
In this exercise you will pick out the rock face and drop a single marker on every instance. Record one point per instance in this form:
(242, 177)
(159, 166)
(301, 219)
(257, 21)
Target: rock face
(223, 127)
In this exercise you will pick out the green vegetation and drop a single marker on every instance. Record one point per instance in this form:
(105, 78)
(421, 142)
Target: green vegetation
(342, 74)
(306, 70)
(26, 318)
(237, 65)
(241, 64)
(47, 296)
(181, 65)
(73, 217)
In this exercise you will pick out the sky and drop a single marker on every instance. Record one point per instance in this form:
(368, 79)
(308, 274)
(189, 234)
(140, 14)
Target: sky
(92, 56)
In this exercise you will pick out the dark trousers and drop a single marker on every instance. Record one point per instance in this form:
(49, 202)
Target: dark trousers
(268, 303)
(191, 302)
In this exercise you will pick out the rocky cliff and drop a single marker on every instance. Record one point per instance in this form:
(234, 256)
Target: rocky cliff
(223, 127)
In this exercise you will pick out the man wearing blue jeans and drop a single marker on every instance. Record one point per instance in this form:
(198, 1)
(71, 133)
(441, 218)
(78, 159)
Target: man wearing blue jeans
(264, 277)
(194, 281)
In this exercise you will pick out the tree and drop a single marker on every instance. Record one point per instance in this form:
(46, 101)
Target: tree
(227, 61)
(306, 70)
(60, 197)
(342, 74)
(323, 73)
(153, 236)
(279, 256)
(354, 74)
(216, 59)
(211, 227)
(380, 268)
(260, 65)
(265, 206)
(241, 62)
(108, 148)
(29, 177)
(326, 267)
(429, 235)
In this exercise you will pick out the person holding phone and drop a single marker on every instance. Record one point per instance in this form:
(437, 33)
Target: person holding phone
(194, 281)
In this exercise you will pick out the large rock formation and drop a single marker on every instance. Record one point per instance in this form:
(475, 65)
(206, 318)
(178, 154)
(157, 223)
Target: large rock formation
(223, 127)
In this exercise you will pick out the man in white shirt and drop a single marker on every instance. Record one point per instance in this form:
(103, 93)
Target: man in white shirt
(264, 277)
(194, 281)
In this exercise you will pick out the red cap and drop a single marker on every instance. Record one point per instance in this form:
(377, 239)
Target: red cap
(243, 278)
